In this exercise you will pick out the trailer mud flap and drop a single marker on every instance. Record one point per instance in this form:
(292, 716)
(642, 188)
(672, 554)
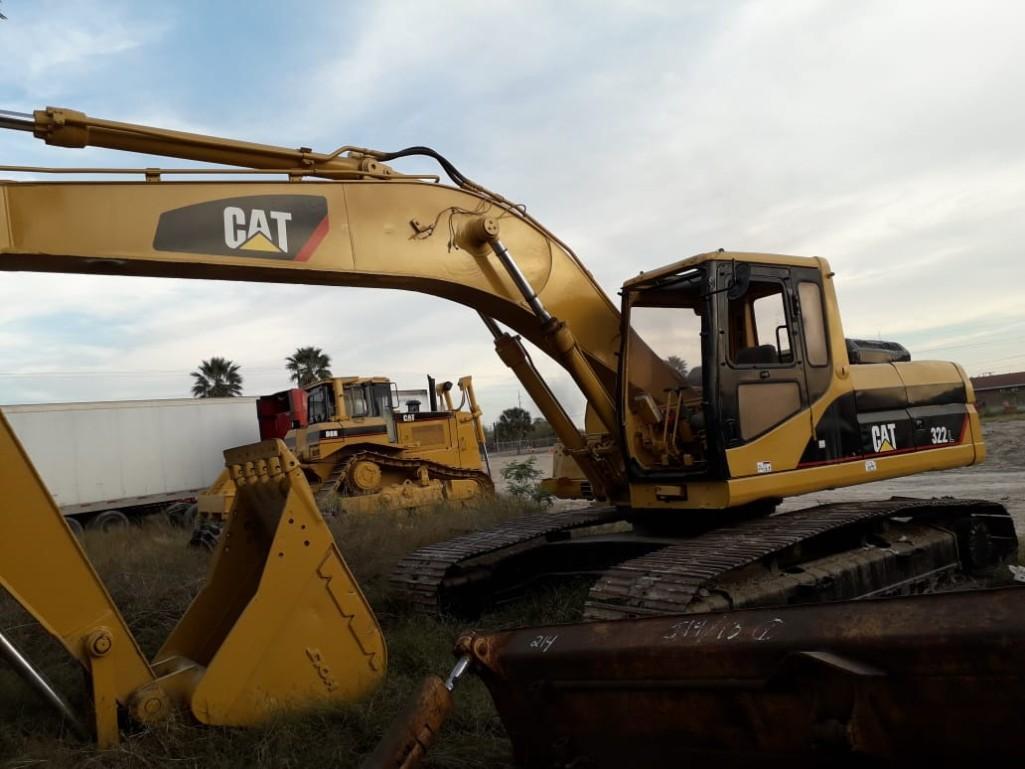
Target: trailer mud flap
(281, 620)
(937, 680)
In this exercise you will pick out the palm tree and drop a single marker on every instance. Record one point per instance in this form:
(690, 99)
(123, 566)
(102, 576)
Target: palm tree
(677, 363)
(308, 365)
(514, 424)
(217, 378)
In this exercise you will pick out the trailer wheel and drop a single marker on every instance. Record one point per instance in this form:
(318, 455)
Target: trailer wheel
(181, 515)
(75, 525)
(108, 520)
(206, 535)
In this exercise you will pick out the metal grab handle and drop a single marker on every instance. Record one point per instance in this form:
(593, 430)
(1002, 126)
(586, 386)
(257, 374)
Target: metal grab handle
(38, 682)
(406, 742)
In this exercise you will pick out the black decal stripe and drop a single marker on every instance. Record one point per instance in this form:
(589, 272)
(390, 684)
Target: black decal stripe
(881, 399)
(838, 431)
(880, 454)
(345, 432)
(200, 228)
(422, 416)
(846, 435)
(889, 398)
(937, 395)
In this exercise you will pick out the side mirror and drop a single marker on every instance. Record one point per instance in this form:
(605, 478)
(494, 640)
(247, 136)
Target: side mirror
(740, 281)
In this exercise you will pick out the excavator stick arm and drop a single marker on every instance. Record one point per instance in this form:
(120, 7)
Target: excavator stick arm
(43, 566)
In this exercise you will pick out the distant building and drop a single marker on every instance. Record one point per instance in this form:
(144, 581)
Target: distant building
(1000, 393)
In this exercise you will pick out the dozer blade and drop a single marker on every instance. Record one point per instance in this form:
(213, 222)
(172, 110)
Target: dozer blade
(936, 680)
(281, 621)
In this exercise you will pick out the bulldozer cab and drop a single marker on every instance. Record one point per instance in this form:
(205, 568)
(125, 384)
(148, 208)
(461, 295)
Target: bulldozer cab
(373, 398)
(746, 348)
(347, 407)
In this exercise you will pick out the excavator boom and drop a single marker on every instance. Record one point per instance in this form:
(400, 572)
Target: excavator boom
(368, 227)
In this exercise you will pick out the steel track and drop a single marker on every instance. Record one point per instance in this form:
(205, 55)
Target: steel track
(420, 578)
(335, 484)
(666, 580)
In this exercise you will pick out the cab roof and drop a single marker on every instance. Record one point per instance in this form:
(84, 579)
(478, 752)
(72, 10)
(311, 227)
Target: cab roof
(350, 380)
(814, 262)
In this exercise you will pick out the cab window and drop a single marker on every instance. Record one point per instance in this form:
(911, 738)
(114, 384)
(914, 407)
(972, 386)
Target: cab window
(321, 404)
(384, 403)
(668, 321)
(814, 323)
(356, 401)
(759, 327)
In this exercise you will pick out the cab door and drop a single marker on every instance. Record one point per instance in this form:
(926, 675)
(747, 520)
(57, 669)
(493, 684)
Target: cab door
(762, 381)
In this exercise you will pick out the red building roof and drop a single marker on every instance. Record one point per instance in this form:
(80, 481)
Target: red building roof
(998, 381)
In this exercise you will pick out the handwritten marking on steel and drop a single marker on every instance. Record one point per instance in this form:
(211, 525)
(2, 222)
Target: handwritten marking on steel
(544, 642)
(700, 629)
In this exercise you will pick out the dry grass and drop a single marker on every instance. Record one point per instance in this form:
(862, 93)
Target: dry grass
(152, 575)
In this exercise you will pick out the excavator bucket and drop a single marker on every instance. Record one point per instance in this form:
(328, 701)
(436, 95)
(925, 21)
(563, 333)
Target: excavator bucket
(935, 680)
(281, 620)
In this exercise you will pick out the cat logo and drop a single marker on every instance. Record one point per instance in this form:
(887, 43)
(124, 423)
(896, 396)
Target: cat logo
(257, 235)
(884, 437)
(264, 226)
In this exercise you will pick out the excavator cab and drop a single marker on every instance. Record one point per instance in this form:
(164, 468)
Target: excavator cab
(753, 332)
(773, 400)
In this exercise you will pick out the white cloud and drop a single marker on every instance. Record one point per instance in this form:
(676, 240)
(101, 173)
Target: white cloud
(51, 47)
(884, 137)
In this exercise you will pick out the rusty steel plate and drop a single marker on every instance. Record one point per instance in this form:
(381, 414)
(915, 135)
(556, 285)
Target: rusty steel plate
(929, 680)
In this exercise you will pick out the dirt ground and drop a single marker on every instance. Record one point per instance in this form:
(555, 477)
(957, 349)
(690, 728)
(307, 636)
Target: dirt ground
(1000, 479)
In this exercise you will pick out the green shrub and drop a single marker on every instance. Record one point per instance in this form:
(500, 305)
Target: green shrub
(522, 479)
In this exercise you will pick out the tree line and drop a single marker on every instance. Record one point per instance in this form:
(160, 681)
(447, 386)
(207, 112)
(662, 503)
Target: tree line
(222, 378)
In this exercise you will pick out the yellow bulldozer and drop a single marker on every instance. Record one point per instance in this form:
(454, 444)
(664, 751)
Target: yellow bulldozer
(361, 452)
(690, 468)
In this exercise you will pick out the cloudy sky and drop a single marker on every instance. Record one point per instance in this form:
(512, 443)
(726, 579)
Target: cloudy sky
(887, 137)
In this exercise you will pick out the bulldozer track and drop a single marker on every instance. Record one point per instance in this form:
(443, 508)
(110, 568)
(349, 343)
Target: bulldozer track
(667, 580)
(420, 577)
(334, 485)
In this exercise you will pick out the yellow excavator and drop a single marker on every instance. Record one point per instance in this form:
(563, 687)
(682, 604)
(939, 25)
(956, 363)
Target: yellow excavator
(783, 405)
(361, 453)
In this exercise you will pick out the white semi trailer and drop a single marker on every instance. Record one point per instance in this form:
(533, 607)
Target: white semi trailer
(106, 461)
